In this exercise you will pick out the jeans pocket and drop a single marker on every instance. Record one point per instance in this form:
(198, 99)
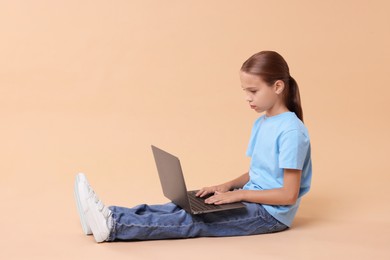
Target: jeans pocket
(263, 213)
(278, 227)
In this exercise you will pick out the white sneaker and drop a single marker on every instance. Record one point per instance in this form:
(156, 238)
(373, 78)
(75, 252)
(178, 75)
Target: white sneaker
(80, 191)
(96, 216)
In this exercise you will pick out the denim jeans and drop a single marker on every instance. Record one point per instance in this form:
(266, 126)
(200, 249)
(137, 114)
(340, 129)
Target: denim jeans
(149, 222)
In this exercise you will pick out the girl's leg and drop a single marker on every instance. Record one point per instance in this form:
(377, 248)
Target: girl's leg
(147, 222)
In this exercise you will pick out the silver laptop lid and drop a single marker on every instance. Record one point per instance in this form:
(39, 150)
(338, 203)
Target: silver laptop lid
(171, 177)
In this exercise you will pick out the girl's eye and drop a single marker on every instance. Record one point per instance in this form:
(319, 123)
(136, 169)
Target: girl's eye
(253, 91)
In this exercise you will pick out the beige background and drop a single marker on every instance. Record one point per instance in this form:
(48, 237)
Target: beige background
(87, 86)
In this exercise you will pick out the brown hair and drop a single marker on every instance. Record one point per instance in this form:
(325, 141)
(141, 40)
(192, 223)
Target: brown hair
(271, 66)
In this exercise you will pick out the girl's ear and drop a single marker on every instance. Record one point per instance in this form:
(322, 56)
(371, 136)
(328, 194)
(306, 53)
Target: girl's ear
(279, 86)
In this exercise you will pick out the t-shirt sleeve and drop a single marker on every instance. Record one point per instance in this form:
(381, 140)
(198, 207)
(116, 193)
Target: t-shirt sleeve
(293, 148)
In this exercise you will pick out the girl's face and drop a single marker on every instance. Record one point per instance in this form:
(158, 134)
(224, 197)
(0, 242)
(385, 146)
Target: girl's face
(260, 96)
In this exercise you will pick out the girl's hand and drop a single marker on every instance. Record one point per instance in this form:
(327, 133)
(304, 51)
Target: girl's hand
(211, 190)
(224, 197)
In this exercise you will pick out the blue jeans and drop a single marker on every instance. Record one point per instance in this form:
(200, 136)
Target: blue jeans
(149, 222)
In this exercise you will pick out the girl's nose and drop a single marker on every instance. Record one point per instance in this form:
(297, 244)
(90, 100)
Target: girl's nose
(248, 98)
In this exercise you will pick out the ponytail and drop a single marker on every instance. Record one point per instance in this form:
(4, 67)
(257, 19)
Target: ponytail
(293, 98)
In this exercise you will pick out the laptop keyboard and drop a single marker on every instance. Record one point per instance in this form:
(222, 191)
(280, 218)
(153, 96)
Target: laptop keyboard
(198, 204)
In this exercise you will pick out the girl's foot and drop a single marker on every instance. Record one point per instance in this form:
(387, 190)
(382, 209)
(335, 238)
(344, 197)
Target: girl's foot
(94, 216)
(79, 192)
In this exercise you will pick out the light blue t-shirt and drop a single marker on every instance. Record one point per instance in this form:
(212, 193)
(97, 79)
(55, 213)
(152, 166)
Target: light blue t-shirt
(277, 143)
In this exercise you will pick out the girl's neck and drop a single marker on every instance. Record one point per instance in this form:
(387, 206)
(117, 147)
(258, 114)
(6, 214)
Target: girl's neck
(276, 110)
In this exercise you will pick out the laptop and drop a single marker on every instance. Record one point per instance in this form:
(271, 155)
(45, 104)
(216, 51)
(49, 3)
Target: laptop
(174, 187)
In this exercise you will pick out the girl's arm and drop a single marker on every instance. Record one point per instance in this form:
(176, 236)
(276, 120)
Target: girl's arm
(287, 195)
(237, 183)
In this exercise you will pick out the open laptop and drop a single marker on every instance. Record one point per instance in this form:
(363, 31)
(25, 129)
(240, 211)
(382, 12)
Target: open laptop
(174, 187)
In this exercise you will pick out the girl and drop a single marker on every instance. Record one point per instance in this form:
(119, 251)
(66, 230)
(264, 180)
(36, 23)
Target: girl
(279, 174)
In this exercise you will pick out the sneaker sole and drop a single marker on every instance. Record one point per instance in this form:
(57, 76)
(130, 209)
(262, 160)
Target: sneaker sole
(84, 224)
(99, 234)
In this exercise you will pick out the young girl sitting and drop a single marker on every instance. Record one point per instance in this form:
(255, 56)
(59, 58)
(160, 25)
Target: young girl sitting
(279, 174)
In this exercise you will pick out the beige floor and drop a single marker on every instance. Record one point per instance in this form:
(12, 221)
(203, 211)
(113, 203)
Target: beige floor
(39, 221)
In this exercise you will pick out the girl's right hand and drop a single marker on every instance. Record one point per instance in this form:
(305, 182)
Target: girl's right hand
(212, 189)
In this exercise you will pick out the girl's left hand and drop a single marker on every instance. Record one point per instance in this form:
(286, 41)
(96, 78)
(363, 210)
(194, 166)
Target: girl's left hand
(224, 197)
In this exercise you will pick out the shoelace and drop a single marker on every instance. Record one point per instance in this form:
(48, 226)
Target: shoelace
(100, 205)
